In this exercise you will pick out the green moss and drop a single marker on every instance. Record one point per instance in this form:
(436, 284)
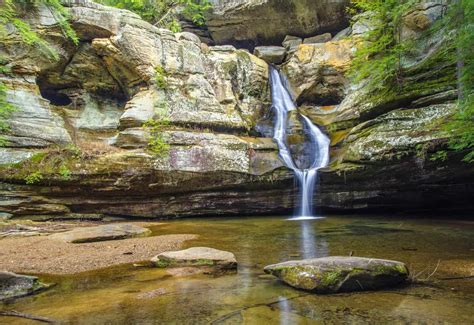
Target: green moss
(331, 279)
(38, 157)
(402, 269)
(161, 263)
(203, 262)
(388, 269)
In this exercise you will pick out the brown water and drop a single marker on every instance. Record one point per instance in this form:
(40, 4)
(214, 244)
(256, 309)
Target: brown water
(131, 295)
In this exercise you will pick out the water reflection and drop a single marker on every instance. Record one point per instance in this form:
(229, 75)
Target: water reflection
(284, 307)
(311, 245)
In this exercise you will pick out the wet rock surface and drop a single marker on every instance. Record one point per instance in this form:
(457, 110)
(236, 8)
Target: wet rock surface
(340, 274)
(15, 285)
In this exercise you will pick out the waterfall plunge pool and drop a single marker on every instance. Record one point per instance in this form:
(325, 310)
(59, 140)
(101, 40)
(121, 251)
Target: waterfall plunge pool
(131, 295)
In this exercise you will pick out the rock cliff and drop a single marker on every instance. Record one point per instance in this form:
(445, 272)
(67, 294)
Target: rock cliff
(77, 146)
(250, 23)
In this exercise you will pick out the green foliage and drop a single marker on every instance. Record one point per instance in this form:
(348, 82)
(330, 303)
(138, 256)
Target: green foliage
(9, 14)
(61, 15)
(439, 156)
(378, 60)
(174, 26)
(34, 177)
(6, 109)
(165, 13)
(156, 141)
(161, 77)
(462, 126)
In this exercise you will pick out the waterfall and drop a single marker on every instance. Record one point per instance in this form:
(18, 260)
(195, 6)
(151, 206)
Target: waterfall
(282, 103)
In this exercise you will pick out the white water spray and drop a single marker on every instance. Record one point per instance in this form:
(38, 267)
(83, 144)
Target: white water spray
(282, 104)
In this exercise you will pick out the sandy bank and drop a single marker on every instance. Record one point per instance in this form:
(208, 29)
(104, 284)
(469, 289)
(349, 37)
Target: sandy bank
(41, 254)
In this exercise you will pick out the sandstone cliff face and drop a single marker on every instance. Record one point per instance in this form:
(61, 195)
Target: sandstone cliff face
(216, 100)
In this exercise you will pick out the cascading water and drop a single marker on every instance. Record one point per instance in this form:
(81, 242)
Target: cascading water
(282, 104)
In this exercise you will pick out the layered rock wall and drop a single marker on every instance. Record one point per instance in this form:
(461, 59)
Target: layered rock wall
(77, 146)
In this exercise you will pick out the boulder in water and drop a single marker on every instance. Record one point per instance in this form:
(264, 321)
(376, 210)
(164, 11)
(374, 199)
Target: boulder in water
(101, 233)
(340, 274)
(15, 285)
(208, 258)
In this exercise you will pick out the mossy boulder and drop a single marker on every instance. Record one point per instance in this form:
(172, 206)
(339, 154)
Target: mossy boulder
(340, 274)
(208, 258)
(15, 285)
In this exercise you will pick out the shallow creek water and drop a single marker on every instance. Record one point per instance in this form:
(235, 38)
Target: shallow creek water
(131, 295)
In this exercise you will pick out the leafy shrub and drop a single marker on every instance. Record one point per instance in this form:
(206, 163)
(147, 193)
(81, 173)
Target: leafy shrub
(161, 77)
(156, 141)
(174, 26)
(439, 155)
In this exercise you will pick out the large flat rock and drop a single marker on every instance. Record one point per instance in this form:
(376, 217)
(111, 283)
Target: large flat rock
(340, 274)
(197, 256)
(15, 285)
(101, 233)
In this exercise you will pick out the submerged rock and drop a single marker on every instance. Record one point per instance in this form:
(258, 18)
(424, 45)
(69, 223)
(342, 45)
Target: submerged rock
(205, 257)
(340, 274)
(101, 233)
(15, 285)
